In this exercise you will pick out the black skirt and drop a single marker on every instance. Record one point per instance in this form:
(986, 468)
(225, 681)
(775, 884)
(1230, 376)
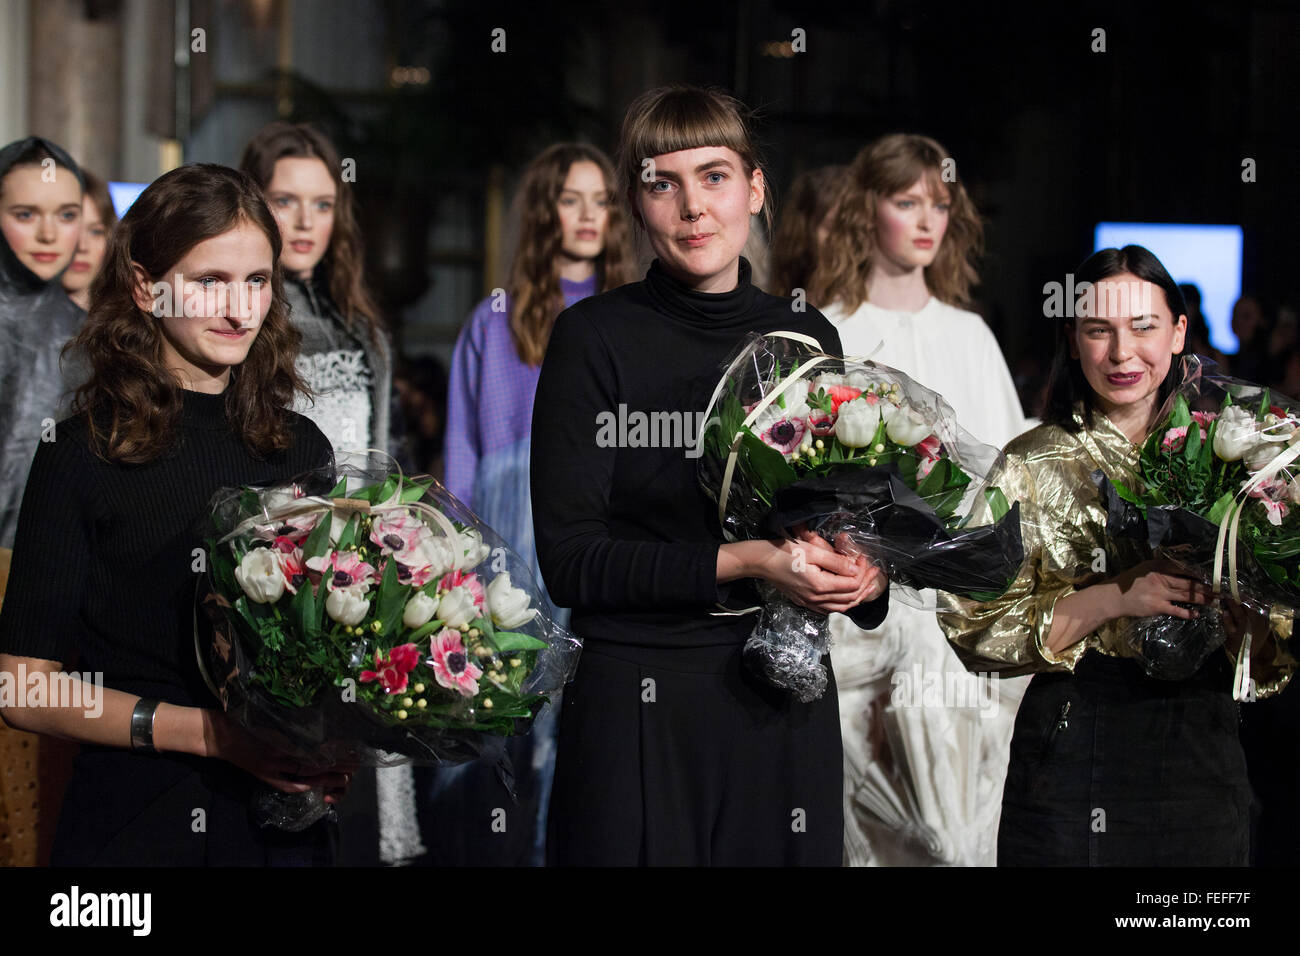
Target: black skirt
(1110, 767)
(680, 756)
(128, 809)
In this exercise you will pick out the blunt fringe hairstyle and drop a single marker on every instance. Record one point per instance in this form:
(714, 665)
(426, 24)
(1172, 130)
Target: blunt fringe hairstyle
(535, 294)
(1066, 385)
(344, 260)
(671, 118)
(133, 402)
(883, 168)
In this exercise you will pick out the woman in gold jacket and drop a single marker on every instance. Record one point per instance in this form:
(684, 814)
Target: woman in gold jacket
(1110, 766)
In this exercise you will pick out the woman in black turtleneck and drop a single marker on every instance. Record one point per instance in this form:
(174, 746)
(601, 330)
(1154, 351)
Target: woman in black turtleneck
(669, 751)
(191, 373)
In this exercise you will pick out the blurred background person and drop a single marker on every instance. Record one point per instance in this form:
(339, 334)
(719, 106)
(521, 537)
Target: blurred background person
(573, 242)
(894, 276)
(1248, 325)
(97, 221)
(1198, 327)
(802, 227)
(41, 193)
(420, 394)
(346, 358)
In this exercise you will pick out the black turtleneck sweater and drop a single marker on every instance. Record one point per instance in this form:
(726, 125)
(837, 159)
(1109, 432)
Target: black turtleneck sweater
(626, 536)
(105, 554)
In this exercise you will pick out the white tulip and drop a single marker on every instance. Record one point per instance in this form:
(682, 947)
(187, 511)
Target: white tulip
(348, 606)
(419, 610)
(907, 427)
(431, 551)
(509, 604)
(857, 422)
(473, 548)
(1294, 490)
(456, 607)
(1236, 434)
(260, 576)
(1258, 457)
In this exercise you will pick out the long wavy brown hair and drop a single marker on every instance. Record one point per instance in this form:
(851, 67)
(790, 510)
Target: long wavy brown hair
(536, 299)
(887, 166)
(795, 246)
(344, 260)
(132, 399)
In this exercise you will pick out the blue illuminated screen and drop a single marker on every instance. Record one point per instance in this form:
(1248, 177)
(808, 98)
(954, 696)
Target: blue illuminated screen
(1208, 256)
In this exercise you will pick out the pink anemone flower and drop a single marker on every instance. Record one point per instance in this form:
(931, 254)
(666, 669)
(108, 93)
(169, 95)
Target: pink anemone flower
(452, 667)
(785, 435)
(342, 569)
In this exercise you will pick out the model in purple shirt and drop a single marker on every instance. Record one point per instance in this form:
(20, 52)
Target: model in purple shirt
(573, 243)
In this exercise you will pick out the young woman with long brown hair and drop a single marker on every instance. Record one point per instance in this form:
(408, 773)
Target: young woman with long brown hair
(191, 356)
(40, 222)
(894, 276)
(345, 359)
(573, 242)
(97, 220)
(670, 751)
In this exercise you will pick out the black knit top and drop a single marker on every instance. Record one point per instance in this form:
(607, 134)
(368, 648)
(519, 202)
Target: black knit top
(626, 536)
(107, 555)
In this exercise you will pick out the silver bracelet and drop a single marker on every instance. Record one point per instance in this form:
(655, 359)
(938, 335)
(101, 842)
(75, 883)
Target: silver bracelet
(142, 724)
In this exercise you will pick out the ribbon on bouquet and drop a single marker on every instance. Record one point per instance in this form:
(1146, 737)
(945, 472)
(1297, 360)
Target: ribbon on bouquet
(1228, 543)
(725, 491)
(311, 504)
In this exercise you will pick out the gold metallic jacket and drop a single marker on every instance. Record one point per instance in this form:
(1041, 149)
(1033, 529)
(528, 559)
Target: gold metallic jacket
(1063, 519)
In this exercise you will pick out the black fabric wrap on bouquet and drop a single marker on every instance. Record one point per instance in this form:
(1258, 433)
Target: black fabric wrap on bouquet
(1171, 648)
(901, 531)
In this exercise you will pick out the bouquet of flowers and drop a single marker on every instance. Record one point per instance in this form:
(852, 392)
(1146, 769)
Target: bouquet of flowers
(864, 456)
(1216, 491)
(375, 623)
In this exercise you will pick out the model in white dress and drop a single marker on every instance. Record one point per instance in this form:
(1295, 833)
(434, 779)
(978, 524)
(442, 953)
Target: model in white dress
(926, 744)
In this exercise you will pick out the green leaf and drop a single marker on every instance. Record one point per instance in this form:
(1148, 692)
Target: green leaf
(768, 467)
(386, 490)
(391, 600)
(340, 490)
(304, 612)
(1181, 414)
(1123, 491)
(1192, 447)
(507, 641)
(1221, 507)
(936, 480)
(1263, 406)
(414, 490)
(423, 631)
(997, 503)
(348, 538)
(318, 542)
